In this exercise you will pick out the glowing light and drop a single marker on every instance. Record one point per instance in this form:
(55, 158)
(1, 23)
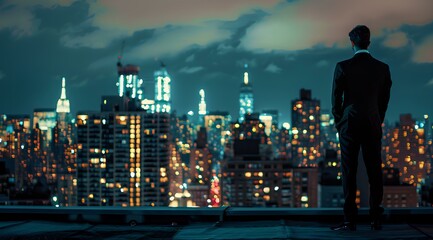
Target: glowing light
(276, 188)
(55, 199)
(266, 189)
(304, 199)
(246, 78)
(286, 125)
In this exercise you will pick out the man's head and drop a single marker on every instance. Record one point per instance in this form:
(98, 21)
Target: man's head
(360, 37)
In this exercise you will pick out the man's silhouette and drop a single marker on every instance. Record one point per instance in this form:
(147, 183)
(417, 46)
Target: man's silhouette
(360, 95)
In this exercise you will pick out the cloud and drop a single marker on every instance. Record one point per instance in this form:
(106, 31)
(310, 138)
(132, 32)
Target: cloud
(423, 53)
(429, 83)
(224, 48)
(272, 68)
(170, 41)
(396, 40)
(191, 70)
(306, 24)
(322, 63)
(19, 17)
(113, 19)
(190, 58)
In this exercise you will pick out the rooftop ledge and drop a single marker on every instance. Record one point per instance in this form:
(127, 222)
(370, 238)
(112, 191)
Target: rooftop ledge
(184, 215)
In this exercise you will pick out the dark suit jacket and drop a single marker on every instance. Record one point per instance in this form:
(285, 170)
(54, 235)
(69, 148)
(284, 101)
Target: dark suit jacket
(361, 91)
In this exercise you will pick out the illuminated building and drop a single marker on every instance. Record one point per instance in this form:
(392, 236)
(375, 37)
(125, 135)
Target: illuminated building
(217, 125)
(162, 90)
(395, 194)
(330, 189)
(148, 105)
(400, 196)
(246, 99)
(251, 177)
(202, 107)
(46, 119)
(251, 128)
(61, 168)
(178, 175)
(270, 119)
(305, 130)
(200, 166)
(44, 122)
(16, 140)
(128, 83)
(328, 132)
(406, 151)
(215, 193)
(267, 121)
(123, 158)
(281, 144)
(183, 135)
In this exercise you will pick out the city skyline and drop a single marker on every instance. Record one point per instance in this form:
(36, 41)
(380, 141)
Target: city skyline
(81, 41)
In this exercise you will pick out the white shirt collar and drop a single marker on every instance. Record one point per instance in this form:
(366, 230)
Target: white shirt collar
(362, 51)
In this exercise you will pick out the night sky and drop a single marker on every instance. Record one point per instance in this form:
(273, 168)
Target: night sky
(288, 45)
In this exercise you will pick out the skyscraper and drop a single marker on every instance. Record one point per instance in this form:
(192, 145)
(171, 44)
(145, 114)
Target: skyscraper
(123, 158)
(218, 133)
(61, 168)
(162, 90)
(305, 130)
(17, 141)
(128, 83)
(202, 107)
(246, 99)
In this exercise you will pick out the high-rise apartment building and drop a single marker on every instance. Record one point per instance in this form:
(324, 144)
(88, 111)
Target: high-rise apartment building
(406, 150)
(123, 158)
(251, 177)
(306, 130)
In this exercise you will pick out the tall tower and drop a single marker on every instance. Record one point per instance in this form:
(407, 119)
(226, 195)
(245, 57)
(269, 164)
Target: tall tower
(63, 105)
(202, 107)
(246, 100)
(162, 90)
(61, 170)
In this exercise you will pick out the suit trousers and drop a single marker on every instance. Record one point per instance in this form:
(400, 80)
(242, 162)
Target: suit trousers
(353, 138)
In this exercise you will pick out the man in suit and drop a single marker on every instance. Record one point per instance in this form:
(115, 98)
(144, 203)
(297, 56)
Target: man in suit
(360, 95)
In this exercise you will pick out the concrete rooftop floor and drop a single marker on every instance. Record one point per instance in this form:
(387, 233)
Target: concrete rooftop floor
(266, 229)
(32, 223)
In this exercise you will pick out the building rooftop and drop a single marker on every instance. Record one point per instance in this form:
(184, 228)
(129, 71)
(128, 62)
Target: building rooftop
(31, 222)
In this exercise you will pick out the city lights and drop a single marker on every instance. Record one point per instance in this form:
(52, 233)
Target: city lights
(136, 151)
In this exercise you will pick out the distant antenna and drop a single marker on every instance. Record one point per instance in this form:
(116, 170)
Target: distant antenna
(119, 58)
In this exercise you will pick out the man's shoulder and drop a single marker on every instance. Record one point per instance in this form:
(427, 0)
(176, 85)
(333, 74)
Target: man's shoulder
(344, 63)
(379, 62)
(347, 62)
